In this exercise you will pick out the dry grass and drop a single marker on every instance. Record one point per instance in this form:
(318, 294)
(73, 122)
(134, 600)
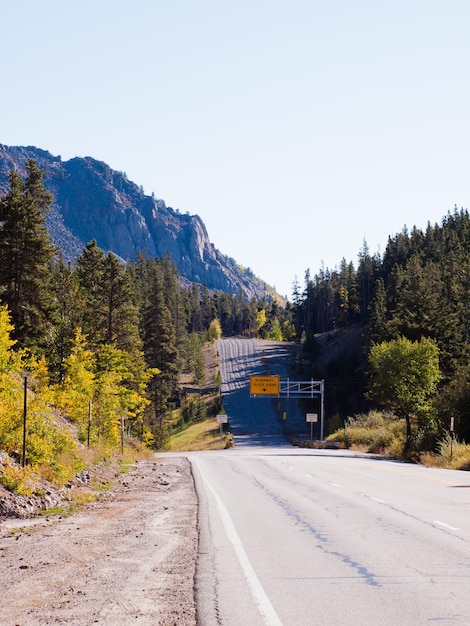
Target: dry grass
(203, 435)
(375, 432)
(453, 454)
(200, 436)
(382, 433)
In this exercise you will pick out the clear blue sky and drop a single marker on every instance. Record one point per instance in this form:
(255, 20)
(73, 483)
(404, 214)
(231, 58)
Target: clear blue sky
(296, 129)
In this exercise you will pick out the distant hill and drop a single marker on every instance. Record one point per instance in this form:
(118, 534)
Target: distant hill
(92, 201)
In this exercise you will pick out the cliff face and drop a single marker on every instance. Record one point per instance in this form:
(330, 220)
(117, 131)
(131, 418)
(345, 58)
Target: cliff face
(92, 201)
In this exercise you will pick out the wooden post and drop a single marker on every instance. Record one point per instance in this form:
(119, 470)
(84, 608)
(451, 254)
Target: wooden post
(451, 437)
(89, 423)
(122, 434)
(25, 409)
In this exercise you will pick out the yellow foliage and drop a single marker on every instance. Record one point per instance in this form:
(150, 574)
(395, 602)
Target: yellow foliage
(215, 330)
(17, 479)
(9, 361)
(76, 392)
(120, 386)
(11, 411)
(114, 380)
(260, 319)
(288, 331)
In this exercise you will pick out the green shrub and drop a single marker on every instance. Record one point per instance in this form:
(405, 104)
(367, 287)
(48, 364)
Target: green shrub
(194, 410)
(376, 431)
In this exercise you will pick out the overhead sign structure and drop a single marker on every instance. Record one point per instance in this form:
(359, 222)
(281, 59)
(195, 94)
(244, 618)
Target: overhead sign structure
(264, 385)
(286, 388)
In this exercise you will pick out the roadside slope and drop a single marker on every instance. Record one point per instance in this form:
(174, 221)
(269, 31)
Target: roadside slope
(128, 558)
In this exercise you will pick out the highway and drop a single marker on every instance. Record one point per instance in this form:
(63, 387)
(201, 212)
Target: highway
(242, 358)
(300, 537)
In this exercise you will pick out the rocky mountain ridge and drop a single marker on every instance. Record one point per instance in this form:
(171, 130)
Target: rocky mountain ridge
(93, 201)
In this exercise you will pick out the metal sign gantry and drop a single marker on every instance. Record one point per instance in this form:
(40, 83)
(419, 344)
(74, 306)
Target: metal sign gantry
(276, 387)
(300, 388)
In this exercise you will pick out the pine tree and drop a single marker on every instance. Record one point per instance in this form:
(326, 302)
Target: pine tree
(195, 309)
(25, 255)
(366, 277)
(110, 314)
(376, 327)
(89, 272)
(419, 302)
(122, 328)
(69, 305)
(160, 346)
(195, 358)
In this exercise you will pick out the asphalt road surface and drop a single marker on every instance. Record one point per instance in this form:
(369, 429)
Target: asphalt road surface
(242, 358)
(317, 537)
(303, 537)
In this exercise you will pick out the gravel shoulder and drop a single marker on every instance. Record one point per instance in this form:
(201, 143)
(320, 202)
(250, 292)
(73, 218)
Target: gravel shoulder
(128, 558)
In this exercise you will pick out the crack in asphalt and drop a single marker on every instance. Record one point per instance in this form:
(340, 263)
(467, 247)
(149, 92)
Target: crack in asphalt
(364, 573)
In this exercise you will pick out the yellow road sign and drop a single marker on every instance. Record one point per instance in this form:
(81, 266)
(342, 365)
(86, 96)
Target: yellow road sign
(264, 385)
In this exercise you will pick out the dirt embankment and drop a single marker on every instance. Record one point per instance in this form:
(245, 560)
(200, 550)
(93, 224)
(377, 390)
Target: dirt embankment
(128, 558)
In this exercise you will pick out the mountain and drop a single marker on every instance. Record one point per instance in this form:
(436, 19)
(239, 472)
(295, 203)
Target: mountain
(93, 201)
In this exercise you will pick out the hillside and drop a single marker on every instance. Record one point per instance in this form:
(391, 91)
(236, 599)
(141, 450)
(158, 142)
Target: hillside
(93, 201)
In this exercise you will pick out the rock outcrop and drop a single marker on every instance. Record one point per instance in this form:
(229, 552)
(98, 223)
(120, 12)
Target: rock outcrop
(92, 201)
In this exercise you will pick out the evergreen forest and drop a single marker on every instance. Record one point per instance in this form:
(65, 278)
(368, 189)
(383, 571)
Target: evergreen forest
(103, 338)
(392, 310)
(110, 339)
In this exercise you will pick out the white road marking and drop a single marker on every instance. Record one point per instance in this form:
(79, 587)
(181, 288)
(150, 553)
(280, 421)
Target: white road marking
(336, 485)
(444, 525)
(377, 500)
(262, 601)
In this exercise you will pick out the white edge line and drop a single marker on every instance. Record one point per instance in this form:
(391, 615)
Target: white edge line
(262, 601)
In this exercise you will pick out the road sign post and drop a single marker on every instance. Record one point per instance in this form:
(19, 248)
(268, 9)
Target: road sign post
(221, 419)
(312, 418)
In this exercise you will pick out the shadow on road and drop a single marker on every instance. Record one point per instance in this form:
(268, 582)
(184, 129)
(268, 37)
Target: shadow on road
(257, 441)
(258, 416)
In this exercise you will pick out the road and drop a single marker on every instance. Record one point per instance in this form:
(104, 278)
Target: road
(242, 358)
(287, 536)
(300, 537)
(317, 537)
